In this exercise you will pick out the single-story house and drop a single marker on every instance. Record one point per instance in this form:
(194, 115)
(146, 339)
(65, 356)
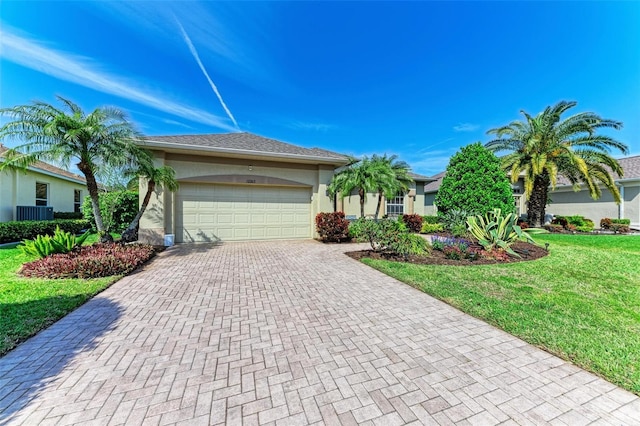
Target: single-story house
(565, 201)
(41, 185)
(241, 186)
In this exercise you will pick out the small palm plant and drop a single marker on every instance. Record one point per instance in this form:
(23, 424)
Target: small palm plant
(45, 245)
(495, 230)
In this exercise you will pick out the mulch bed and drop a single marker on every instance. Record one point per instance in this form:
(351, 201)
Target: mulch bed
(527, 251)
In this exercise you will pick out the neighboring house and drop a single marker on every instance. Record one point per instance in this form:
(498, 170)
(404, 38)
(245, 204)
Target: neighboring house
(241, 186)
(565, 201)
(409, 203)
(40, 185)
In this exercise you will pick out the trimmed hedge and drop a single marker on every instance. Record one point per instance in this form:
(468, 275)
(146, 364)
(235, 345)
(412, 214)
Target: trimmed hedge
(29, 229)
(67, 215)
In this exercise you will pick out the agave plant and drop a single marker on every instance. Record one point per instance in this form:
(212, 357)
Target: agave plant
(495, 230)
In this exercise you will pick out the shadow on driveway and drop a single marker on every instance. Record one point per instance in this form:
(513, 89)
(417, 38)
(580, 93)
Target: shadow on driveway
(34, 365)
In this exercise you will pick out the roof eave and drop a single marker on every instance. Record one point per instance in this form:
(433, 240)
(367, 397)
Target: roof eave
(34, 169)
(243, 153)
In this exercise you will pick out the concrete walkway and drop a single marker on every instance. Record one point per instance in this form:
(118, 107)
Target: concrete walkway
(288, 333)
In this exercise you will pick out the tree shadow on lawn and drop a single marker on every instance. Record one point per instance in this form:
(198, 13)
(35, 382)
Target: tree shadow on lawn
(35, 364)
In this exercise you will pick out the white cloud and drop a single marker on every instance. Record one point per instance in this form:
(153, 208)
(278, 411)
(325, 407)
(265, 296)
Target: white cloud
(79, 70)
(466, 127)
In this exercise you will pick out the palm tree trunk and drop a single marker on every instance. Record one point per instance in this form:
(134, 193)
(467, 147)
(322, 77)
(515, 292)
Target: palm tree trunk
(361, 194)
(378, 206)
(536, 207)
(131, 233)
(92, 187)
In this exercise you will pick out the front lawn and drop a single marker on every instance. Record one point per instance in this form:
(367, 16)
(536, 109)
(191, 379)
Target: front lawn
(27, 305)
(582, 302)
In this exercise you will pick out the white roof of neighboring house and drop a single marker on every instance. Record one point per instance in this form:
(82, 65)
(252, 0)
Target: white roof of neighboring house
(630, 166)
(48, 169)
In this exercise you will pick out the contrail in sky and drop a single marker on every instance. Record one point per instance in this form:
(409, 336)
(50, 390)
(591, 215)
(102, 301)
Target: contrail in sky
(82, 71)
(194, 52)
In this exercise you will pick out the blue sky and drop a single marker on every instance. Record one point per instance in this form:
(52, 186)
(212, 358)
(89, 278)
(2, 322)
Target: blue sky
(416, 79)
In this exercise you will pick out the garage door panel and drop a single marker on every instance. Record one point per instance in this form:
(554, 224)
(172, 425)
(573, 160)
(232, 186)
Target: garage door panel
(207, 212)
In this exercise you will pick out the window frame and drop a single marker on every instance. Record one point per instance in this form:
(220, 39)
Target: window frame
(397, 208)
(77, 205)
(40, 200)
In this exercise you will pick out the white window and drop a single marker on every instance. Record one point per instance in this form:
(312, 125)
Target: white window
(395, 206)
(77, 200)
(42, 194)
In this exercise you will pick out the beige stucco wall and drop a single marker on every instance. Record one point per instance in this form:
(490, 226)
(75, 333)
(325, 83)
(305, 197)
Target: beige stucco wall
(350, 205)
(430, 204)
(419, 203)
(18, 188)
(159, 216)
(568, 202)
(631, 207)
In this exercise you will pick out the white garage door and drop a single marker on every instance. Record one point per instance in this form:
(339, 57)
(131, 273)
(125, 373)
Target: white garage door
(209, 213)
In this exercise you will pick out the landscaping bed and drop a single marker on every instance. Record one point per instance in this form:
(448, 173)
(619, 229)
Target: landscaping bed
(526, 251)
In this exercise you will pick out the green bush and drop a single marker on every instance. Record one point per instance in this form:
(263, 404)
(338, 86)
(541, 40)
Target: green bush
(29, 229)
(430, 219)
(574, 223)
(455, 221)
(495, 230)
(389, 235)
(431, 228)
(118, 209)
(608, 223)
(621, 221)
(475, 183)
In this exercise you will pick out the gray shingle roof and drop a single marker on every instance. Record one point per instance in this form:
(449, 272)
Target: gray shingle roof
(419, 177)
(630, 166)
(246, 142)
(49, 168)
(435, 184)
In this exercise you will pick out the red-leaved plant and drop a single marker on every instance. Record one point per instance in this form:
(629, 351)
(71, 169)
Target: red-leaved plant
(413, 222)
(94, 261)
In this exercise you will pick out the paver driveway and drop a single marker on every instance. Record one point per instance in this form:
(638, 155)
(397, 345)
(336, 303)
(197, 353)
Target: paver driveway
(287, 333)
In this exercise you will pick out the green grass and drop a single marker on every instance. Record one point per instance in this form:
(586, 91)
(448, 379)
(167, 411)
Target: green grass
(582, 302)
(27, 305)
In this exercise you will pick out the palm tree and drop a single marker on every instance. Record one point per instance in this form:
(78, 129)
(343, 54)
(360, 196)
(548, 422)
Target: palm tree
(400, 182)
(104, 136)
(164, 176)
(364, 176)
(545, 147)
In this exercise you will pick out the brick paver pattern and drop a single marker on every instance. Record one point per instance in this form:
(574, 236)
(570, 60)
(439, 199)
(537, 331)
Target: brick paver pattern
(288, 333)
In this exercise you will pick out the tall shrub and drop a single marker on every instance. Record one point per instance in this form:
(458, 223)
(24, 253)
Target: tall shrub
(118, 209)
(475, 183)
